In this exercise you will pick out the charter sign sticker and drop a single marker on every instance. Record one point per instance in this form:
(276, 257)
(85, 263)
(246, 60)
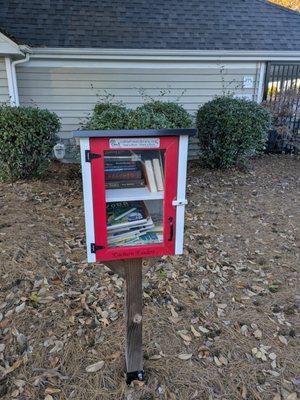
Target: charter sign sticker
(134, 143)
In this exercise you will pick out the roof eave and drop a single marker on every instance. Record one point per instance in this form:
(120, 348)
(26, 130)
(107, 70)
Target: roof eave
(162, 54)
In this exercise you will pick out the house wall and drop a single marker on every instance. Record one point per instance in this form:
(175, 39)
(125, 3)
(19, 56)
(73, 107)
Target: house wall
(72, 90)
(4, 96)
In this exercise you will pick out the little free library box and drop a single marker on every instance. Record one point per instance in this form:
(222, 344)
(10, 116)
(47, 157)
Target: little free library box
(134, 185)
(134, 198)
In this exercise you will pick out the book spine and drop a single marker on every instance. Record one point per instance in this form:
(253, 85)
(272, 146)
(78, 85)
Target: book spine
(120, 169)
(121, 175)
(124, 184)
(120, 163)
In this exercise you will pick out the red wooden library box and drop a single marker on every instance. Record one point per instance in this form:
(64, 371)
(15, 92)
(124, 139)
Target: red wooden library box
(134, 192)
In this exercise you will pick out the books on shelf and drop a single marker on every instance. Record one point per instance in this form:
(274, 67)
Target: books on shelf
(149, 176)
(153, 173)
(158, 174)
(123, 170)
(126, 214)
(129, 224)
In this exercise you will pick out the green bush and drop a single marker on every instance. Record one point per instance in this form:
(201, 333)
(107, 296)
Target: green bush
(107, 116)
(230, 130)
(146, 119)
(152, 115)
(177, 116)
(27, 137)
(100, 107)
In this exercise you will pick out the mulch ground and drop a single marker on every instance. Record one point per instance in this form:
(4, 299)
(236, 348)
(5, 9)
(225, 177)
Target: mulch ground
(220, 322)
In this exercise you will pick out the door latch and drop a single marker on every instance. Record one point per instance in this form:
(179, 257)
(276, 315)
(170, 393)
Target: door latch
(177, 202)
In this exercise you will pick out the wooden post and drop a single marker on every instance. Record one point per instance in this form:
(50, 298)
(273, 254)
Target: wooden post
(133, 311)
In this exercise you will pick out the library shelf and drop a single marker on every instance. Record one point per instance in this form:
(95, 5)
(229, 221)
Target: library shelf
(132, 194)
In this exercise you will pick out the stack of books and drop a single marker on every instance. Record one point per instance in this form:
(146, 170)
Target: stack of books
(133, 171)
(130, 224)
(154, 174)
(123, 172)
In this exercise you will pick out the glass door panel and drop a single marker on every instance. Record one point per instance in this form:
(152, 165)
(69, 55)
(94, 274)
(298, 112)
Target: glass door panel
(134, 189)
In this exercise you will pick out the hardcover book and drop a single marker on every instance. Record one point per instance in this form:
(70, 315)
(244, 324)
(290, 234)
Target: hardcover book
(130, 183)
(123, 175)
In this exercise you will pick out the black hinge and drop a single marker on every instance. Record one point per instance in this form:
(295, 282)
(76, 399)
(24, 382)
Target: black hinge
(94, 248)
(90, 156)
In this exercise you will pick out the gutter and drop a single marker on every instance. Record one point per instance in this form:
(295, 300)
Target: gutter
(14, 78)
(162, 55)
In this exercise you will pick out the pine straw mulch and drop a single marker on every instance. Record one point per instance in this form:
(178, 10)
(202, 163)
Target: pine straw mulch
(220, 322)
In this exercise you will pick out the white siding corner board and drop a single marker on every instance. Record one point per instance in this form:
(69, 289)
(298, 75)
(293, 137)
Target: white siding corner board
(4, 93)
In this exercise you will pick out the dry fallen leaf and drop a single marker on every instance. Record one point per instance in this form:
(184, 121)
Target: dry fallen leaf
(223, 360)
(155, 357)
(257, 334)
(217, 361)
(138, 383)
(202, 329)
(15, 365)
(292, 396)
(173, 312)
(20, 308)
(95, 367)
(195, 333)
(185, 356)
(15, 393)
(283, 340)
(185, 336)
(51, 390)
(244, 392)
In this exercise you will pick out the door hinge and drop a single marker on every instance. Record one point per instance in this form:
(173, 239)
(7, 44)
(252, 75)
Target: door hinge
(94, 248)
(90, 156)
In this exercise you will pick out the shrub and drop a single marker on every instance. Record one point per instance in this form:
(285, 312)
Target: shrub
(146, 119)
(152, 115)
(27, 136)
(230, 130)
(107, 116)
(177, 116)
(100, 107)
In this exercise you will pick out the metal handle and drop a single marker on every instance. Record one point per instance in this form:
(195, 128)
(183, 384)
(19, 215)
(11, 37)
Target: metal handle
(170, 219)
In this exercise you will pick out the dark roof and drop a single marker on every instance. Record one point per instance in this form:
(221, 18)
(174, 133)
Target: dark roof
(156, 24)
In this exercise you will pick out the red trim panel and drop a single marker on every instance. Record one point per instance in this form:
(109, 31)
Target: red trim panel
(99, 145)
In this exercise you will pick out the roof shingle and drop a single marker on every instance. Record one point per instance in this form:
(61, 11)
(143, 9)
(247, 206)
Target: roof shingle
(156, 24)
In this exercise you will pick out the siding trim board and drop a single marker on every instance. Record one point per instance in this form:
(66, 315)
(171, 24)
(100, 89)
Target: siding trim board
(4, 90)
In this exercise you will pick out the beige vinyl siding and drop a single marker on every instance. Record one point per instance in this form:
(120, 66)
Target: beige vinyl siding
(4, 96)
(71, 92)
